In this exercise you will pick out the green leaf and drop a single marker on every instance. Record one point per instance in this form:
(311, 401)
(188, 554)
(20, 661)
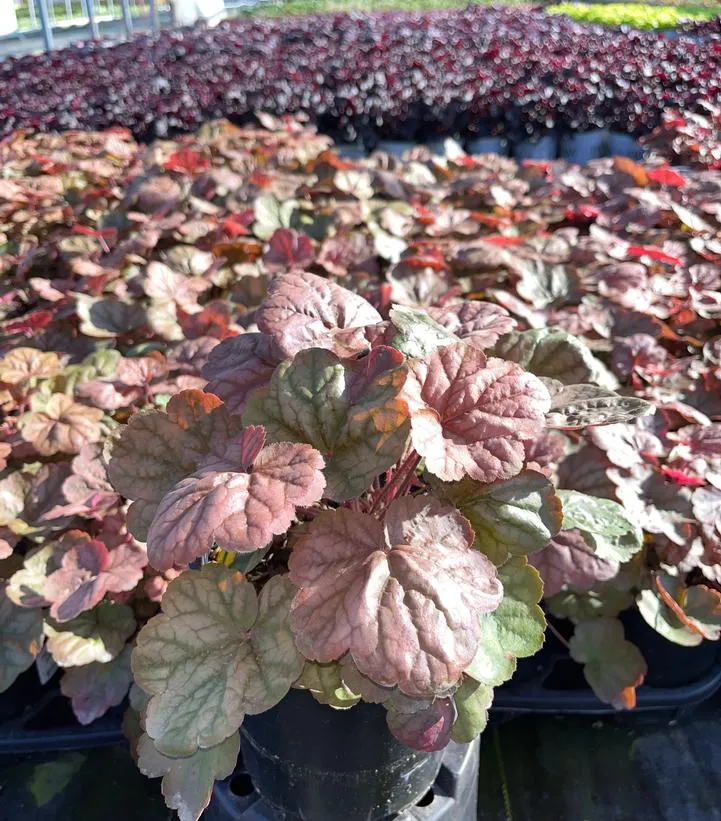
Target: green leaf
(325, 684)
(215, 653)
(348, 410)
(473, 701)
(608, 600)
(578, 406)
(21, 637)
(188, 782)
(515, 629)
(515, 517)
(96, 635)
(418, 334)
(554, 354)
(612, 665)
(270, 214)
(605, 525)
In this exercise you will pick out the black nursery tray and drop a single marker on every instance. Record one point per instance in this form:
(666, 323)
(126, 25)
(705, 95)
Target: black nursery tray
(38, 718)
(551, 682)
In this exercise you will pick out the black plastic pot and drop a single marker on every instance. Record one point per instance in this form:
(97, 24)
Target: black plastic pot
(678, 678)
(303, 760)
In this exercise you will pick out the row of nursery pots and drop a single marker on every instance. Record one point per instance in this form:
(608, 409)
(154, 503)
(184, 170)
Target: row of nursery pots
(575, 147)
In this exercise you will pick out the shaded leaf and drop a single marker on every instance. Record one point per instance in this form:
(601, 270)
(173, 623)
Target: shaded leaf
(421, 725)
(21, 637)
(579, 406)
(96, 635)
(612, 665)
(472, 700)
(188, 782)
(94, 688)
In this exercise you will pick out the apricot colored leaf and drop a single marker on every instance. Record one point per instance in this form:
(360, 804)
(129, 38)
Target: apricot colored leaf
(240, 365)
(238, 498)
(63, 425)
(303, 310)
(568, 560)
(404, 596)
(349, 411)
(13, 487)
(580, 406)
(94, 688)
(613, 666)
(515, 517)
(187, 783)
(477, 323)
(470, 416)
(472, 700)
(215, 653)
(419, 724)
(551, 353)
(325, 683)
(515, 629)
(21, 365)
(26, 587)
(96, 635)
(21, 637)
(605, 525)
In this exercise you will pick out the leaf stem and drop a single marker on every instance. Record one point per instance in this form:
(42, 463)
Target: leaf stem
(397, 483)
(558, 634)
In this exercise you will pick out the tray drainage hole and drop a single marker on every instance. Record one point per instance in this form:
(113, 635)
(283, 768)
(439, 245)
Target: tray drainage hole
(242, 785)
(427, 799)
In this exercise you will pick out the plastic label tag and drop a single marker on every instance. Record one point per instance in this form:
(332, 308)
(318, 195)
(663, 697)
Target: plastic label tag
(45, 665)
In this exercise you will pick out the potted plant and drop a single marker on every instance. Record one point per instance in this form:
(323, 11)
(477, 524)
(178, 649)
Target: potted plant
(351, 501)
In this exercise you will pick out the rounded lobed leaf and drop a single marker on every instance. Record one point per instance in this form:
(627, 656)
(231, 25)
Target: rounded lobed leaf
(472, 700)
(403, 596)
(421, 725)
(349, 411)
(96, 635)
(303, 310)
(215, 653)
(612, 665)
(580, 406)
(515, 517)
(568, 560)
(94, 688)
(239, 508)
(188, 782)
(62, 426)
(239, 366)
(605, 525)
(477, 323)
(471, 416)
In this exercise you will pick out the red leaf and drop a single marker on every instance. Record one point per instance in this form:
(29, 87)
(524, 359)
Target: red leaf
(288, 249)
(654, 253)
(667, 176)
(187, 161)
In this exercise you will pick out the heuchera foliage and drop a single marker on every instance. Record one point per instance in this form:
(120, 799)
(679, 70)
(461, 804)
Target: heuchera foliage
(387, 402)
(398, 75)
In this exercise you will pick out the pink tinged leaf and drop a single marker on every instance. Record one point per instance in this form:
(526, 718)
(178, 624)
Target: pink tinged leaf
(479, 324)
(288, 249)
(567, 560)
(76, 586)
(421, 725)
(94, 688)
(404, 597)
(238, 510)
(471, 416)
(239, 366)
(306, 311)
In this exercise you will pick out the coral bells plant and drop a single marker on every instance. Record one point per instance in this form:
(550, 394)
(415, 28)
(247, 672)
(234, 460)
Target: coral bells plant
(349, 506)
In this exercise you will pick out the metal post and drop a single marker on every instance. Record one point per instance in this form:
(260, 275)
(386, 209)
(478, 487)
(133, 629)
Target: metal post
(69, 9)
(127, 17)
(94, 30)
(154, 21)
(33, 14)
(111, 9)
(45, 25)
